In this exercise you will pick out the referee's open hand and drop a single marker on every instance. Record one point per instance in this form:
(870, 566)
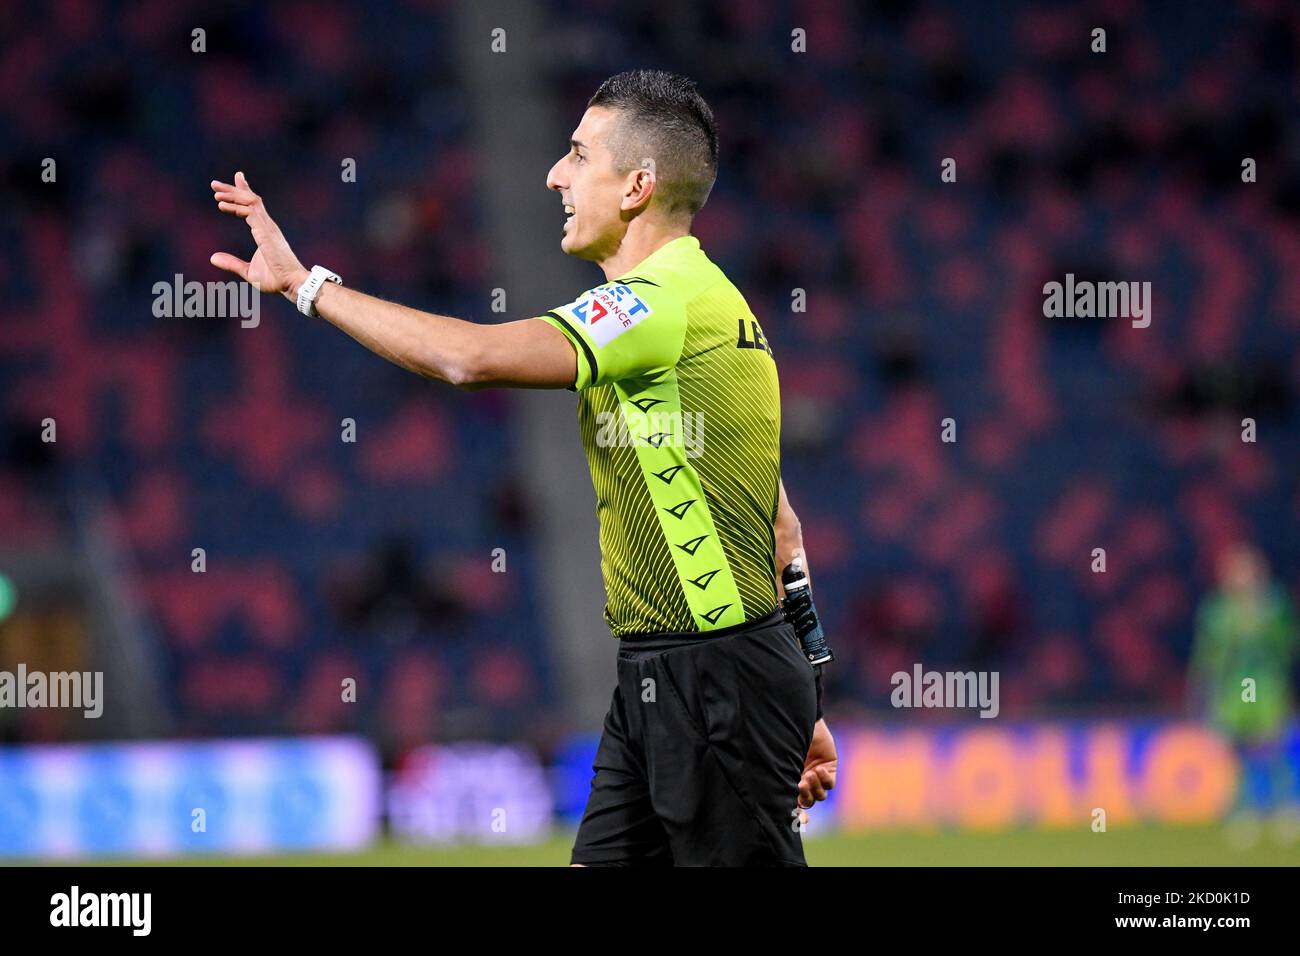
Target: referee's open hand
(273, 268)
(818, 769)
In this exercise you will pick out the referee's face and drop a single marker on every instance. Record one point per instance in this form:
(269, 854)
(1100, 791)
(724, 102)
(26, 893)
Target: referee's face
(591, 188)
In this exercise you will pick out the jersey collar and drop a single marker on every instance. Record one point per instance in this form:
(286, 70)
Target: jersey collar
(682, 245)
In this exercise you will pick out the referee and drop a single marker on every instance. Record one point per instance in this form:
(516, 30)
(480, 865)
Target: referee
(714, 743)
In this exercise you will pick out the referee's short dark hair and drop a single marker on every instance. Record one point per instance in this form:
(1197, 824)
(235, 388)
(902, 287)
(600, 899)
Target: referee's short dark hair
(665, 119)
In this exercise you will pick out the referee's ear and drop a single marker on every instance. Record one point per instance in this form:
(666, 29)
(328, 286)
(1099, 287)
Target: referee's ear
(640, 188)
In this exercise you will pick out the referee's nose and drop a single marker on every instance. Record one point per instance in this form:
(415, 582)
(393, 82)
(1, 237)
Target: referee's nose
(553, 177)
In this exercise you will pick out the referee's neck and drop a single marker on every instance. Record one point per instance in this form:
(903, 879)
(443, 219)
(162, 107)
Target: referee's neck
(642, 239)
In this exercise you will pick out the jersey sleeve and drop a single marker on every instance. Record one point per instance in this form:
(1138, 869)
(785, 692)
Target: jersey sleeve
(621, 330)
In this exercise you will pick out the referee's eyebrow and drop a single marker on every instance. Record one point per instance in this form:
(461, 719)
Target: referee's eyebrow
(575, 143)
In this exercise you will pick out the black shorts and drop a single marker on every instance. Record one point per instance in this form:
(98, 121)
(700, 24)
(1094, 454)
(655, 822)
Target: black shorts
(703, 747)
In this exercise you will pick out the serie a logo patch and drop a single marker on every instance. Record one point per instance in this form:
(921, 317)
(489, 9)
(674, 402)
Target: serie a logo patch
(610, 310)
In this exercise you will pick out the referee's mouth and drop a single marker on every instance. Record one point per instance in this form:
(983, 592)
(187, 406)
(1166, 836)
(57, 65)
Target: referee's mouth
(569, 212)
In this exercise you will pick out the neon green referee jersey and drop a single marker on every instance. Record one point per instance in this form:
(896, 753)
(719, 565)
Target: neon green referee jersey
(680, 416)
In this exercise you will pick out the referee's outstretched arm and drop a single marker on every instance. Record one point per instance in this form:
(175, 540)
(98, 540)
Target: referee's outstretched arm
(528, 353)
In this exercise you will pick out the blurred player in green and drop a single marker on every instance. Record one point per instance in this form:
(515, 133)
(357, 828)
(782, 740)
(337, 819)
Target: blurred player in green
(1241, 675)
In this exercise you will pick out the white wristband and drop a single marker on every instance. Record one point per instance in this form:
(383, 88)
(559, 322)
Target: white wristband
(311, 287)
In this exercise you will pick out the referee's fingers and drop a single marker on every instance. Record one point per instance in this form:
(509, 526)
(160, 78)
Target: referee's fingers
(224, 260)
(238, 194)
(811, 787)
